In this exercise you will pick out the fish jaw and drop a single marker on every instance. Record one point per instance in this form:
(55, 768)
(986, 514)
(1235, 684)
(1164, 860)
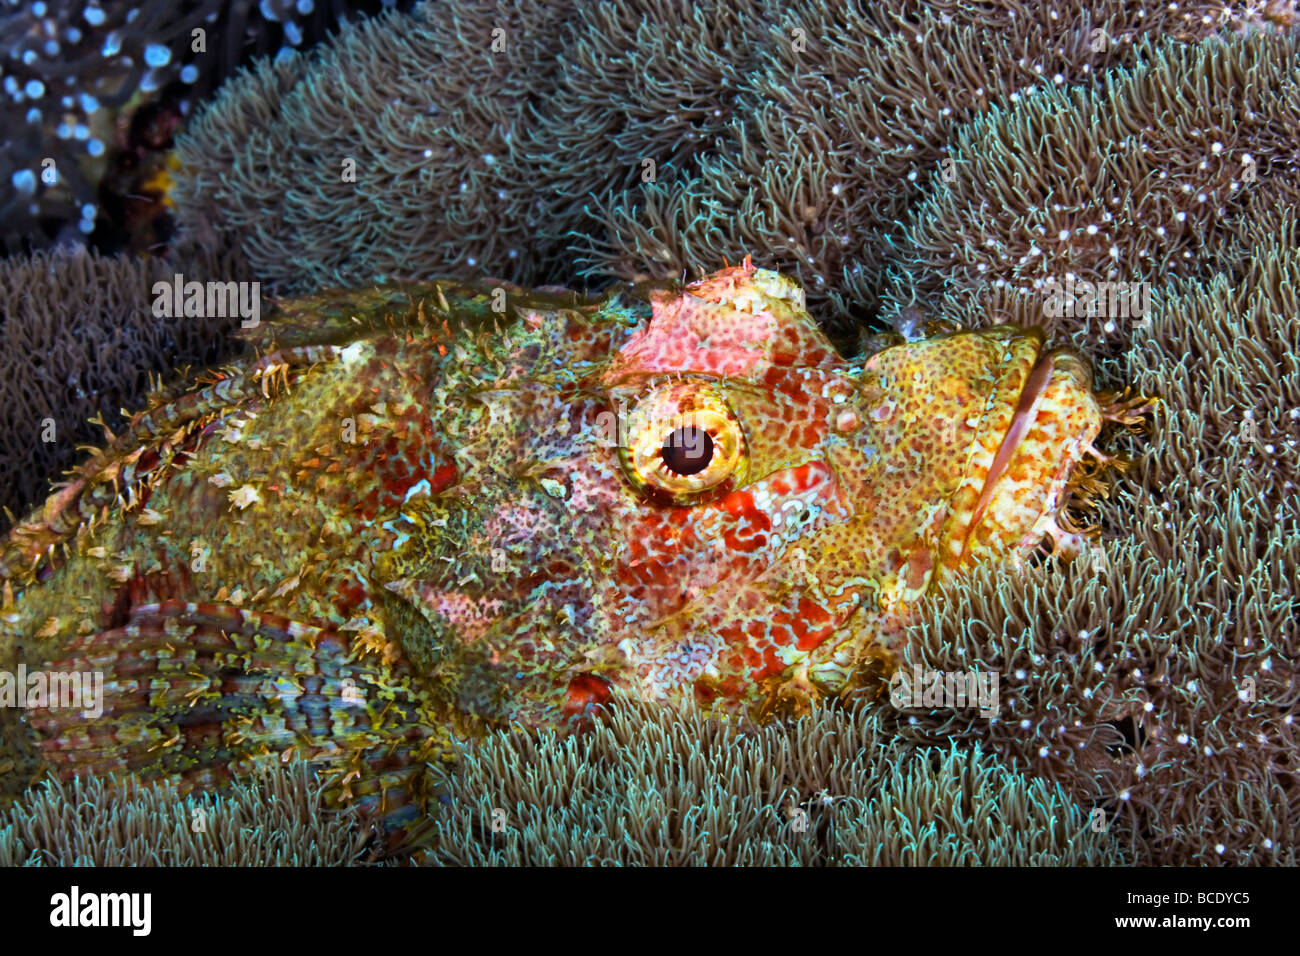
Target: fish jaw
(967, 446)
(1023, 490)
(981, 431)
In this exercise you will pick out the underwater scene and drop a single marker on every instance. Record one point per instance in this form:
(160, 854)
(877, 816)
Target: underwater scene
(640, 433)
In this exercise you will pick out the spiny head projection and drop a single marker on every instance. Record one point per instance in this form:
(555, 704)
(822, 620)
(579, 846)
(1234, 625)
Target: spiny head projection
(432, 507)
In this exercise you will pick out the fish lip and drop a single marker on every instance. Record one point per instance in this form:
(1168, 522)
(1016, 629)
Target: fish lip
(1040, 374)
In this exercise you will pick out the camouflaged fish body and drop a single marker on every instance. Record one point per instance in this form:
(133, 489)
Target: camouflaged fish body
(418, 514)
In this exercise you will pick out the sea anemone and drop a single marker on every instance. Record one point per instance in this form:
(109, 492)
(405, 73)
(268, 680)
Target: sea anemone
(389, 153)
(657, 787)
(277, 818)
(1148, 688)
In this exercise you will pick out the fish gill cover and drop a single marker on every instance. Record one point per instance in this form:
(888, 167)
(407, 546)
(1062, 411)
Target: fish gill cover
(968, 164)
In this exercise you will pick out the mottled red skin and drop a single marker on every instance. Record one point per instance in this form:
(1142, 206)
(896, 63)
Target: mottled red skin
(437, 511)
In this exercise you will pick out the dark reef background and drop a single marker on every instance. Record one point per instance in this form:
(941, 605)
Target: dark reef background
(950, 157)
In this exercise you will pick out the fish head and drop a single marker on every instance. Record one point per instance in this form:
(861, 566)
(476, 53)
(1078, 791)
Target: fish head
(714, 503)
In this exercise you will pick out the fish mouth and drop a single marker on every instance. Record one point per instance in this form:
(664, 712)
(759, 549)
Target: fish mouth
(1022, 418)
(1049, 423)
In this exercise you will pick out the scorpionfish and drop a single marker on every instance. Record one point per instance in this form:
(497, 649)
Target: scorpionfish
(430, 508)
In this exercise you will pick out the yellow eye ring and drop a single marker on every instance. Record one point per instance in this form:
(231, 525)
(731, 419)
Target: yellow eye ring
(684, 444)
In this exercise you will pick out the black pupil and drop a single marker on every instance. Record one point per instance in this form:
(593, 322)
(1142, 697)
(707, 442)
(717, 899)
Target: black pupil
(688, 451)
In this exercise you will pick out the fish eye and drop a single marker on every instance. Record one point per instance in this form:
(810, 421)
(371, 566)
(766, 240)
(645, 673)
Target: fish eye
(684, 444)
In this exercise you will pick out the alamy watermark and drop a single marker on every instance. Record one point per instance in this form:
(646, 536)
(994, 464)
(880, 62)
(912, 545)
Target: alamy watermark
(220, 300)
(684, 429)
(53, 689)
(76, 909)
(952, 690)
(1077, 298)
